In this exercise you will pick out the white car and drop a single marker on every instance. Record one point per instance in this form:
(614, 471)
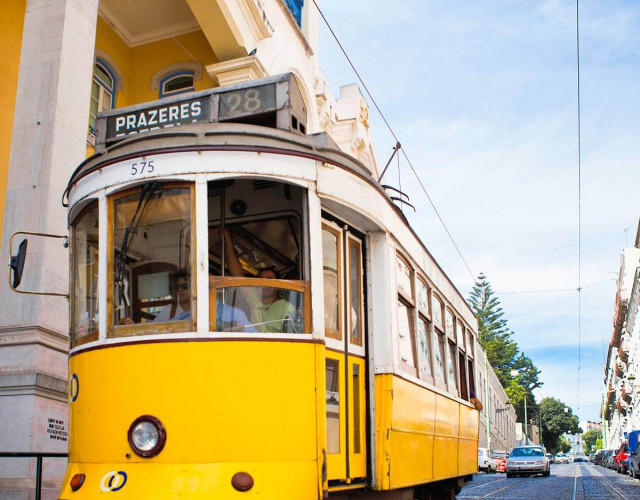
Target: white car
(561, 458)
(485, 461)
(528, 460)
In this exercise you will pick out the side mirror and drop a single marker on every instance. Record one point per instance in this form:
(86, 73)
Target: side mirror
(16, 263)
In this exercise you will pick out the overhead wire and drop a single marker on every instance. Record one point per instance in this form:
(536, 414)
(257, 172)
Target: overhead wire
(404, 152)
(579, 204)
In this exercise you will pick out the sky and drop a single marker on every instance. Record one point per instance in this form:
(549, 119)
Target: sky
(483, 97)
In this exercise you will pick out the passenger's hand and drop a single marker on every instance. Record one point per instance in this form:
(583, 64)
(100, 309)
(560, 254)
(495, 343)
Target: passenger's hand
(127, 321)
(224, 232)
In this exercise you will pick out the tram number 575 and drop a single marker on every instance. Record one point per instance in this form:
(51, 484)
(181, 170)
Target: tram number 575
(141, 167)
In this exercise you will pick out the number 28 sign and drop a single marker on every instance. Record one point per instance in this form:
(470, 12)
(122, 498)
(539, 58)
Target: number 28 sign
(244, 102)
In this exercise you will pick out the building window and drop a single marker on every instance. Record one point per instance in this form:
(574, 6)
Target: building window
(103, 92)
(176, 83)
(295, 6)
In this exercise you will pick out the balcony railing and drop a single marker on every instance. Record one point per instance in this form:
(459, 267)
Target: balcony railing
(38, 457)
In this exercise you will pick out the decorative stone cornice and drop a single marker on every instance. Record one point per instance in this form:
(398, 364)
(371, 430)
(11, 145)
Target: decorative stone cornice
(33, 383)
(238, 70)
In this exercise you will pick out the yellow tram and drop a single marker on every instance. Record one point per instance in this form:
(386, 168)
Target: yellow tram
(252, 316)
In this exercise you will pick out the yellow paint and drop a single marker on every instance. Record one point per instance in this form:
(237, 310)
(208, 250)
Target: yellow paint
(337, 462)
(137, 65)
(357, 461)
(199, 481)
(11, 25)
(422, 436)
(226, 406)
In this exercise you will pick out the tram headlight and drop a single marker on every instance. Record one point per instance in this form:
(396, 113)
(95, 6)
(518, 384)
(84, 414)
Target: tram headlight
(147, 436)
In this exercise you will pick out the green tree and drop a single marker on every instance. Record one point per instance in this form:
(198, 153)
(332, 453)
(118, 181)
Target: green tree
(590, 440)
(502, 351)
(555, 421)
(562, 444)
(528, 379)
(493, 334)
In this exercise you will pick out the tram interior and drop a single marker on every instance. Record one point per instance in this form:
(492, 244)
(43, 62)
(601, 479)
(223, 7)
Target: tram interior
(154, 254)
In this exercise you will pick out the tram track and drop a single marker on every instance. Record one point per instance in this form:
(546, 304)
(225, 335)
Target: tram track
(593, 472)
(569, 482)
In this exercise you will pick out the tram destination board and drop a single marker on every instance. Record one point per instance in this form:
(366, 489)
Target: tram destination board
(259, 98)
(144, 119)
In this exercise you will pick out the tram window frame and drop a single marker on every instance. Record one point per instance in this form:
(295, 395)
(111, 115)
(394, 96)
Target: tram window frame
(424, 315)
(90, 335)
(165, 327)
(330, 332)
(452, 364)
(439, 339)
(359, 306)
(405, 300)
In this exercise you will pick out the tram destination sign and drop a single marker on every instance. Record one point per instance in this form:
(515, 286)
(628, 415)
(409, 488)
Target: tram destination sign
(145, 119)
(273, 101)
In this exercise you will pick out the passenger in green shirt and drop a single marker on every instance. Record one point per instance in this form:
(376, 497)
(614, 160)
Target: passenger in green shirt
(269, 312)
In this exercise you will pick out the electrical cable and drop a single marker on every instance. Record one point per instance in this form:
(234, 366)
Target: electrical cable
(579, 204)
(384, 119)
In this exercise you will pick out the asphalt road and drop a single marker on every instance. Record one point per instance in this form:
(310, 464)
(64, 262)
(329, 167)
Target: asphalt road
(574, 481)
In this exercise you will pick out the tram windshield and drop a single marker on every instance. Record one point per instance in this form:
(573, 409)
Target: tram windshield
(256, 257)
(84, 319)
(152, 242)
(257, 262)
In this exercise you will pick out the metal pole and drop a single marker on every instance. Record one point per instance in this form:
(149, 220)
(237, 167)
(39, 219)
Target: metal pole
(38, 477)
(526, 422)
(486, 397)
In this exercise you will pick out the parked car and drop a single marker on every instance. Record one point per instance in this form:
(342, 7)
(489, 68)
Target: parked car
(500, 459)
(561, 458)
(610, 459)
(528, 460)
(485, 461)
(620, 456)
(551, 459)
(634, 454)
(597, 458)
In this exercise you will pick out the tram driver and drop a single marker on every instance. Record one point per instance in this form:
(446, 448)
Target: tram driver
(180, 309)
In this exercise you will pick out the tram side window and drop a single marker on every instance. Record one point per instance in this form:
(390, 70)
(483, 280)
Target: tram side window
(356, 315)
(256, 257)
(439, 342)
(405, 311)
(424, 334)
(84, 319)
(332, 277)
(153, 252)
(452, 358)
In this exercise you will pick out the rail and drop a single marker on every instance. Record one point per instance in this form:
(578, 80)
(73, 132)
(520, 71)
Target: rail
(38, 457)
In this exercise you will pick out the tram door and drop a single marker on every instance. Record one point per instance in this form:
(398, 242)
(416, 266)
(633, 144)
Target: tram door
(343, 270)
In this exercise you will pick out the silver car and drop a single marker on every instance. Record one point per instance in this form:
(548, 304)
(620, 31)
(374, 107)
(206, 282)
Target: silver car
(528, 460)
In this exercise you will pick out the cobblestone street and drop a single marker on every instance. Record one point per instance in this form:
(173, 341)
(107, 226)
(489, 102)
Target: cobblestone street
(575, 481)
